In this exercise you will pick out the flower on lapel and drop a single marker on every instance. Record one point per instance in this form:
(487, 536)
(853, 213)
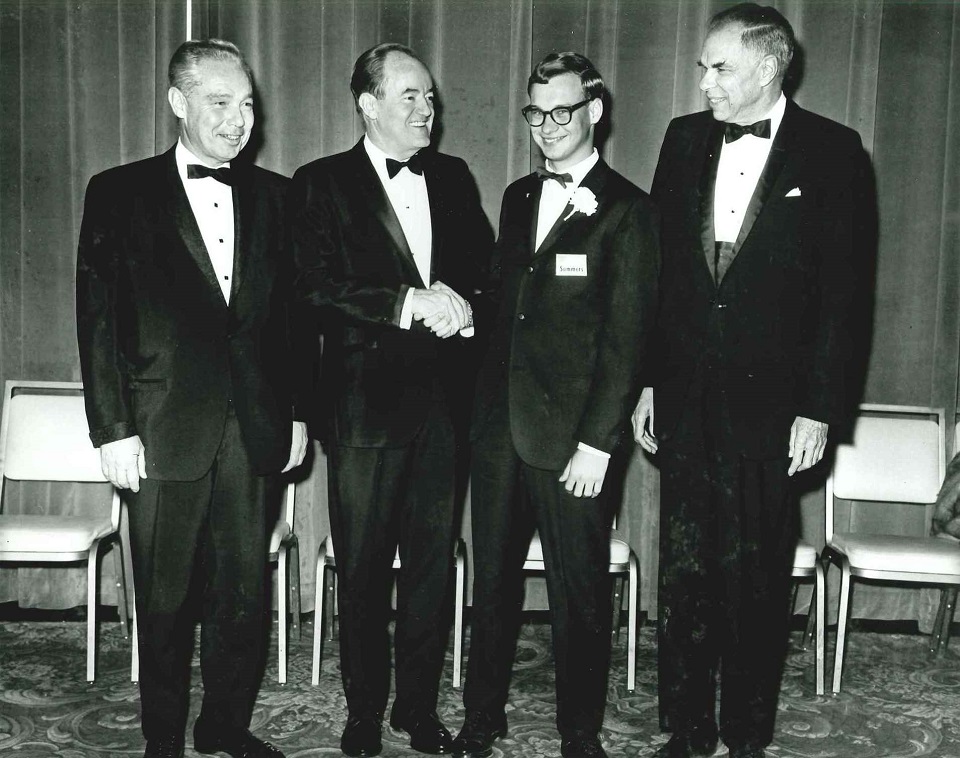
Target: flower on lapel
(583, 201)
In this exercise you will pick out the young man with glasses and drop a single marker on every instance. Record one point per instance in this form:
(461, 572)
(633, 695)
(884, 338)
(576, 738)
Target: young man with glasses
(576, 281)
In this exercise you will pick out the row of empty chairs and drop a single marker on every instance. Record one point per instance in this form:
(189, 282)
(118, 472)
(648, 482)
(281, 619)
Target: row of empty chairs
(44, 438)
(896, 454)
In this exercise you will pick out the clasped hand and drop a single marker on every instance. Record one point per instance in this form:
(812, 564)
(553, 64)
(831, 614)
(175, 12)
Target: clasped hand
(440, 309)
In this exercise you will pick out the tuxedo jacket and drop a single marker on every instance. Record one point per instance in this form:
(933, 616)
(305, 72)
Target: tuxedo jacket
(161, 352)
(379, 381)
(775, 333)
(565, 350)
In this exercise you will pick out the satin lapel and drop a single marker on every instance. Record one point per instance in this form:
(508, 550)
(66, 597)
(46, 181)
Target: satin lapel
(708, 182)
(435, 197)
(368, 184)
(779, 151)
(534, 209)
(243, 226)
(182, 214)
(595, 181)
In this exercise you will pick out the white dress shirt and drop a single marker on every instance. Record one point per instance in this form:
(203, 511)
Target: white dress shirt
(739, 169)
(554, 197)
(407, 193)
(212, 205)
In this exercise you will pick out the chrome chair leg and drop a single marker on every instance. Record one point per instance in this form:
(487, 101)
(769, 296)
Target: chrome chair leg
(842, 619)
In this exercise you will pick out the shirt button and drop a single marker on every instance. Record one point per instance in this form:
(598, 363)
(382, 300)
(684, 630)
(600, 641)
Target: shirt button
(530, 269)
(221, 242)
(521, 316)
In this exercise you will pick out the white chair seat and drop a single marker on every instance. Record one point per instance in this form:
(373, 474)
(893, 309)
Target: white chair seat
(805, 556)
(43, 438)
(923, 555)
(619, 550)
(43, 534)
(280, 532)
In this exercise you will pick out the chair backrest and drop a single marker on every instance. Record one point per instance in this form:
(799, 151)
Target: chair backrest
(44, 434)
(897, 455)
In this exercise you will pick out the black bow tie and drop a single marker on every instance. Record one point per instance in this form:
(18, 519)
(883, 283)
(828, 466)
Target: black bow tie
(414, 164)
(198, 171)
(733, 132)
(543, 174)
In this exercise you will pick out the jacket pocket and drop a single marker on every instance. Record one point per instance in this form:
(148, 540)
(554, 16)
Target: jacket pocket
(147, 385)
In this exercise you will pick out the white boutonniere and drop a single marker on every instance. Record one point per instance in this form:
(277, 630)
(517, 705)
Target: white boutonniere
(583, 201)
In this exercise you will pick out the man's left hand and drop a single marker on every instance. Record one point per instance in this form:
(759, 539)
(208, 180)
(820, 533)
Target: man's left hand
(584, 474)
(808, 438)
(298, 446)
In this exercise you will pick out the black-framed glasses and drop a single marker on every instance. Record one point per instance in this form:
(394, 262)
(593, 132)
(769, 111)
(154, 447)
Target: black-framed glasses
(561, 115)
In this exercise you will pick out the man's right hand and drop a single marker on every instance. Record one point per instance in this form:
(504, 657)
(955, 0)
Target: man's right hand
(124, 463)
(643, 422)
(442, 310)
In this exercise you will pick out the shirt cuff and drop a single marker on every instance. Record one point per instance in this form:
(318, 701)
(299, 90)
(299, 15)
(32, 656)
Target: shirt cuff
(588, 449)
(406, 312)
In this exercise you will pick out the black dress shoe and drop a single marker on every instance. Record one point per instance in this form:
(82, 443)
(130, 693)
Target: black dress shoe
(479, 732)
(164, 747)
(700, 741)
(239, 743)
(427, 732)
(361, 737)
(582, 746)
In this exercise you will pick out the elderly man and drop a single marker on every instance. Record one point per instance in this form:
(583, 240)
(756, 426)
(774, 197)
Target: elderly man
(759, 206)
(183, 348)
(390, 242)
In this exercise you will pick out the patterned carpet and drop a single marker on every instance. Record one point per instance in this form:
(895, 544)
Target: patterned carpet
(897, 700)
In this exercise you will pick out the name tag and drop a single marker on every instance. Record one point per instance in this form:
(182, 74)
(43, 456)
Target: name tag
(571, 265)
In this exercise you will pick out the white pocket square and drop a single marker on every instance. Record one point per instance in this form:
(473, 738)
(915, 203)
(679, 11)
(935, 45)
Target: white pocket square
(795, 192)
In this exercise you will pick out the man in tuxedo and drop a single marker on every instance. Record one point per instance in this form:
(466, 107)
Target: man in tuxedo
(759, 207)
(577, 259)
(389, 240)
(182, 329)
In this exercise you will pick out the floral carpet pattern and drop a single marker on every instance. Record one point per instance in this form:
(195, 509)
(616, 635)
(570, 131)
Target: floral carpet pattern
(897, 700)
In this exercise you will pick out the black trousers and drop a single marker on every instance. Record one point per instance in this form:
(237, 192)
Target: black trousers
(509, 500)
(729, 528)
(199, 549)
(381, 498)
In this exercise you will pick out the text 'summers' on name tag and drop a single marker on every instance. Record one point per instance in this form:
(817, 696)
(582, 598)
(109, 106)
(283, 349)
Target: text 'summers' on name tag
(571, 265)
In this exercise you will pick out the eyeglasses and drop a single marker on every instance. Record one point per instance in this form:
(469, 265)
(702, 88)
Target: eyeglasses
(561, 115)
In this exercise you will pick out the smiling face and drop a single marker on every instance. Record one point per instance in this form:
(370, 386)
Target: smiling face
(564, 146)
(741, 86)
(400, 120)
(216, 115)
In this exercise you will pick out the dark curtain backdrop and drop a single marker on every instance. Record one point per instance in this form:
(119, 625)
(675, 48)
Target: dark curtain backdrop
(83, 89)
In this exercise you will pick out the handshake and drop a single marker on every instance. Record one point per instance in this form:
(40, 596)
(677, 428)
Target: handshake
(441, 310)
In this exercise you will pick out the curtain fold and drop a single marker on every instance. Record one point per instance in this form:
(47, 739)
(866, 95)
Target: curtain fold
(84, 89)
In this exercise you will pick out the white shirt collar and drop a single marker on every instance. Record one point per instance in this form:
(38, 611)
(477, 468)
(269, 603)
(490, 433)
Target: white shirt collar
(377, 157)
(776, 115)
(185, 156)
(580, 170)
